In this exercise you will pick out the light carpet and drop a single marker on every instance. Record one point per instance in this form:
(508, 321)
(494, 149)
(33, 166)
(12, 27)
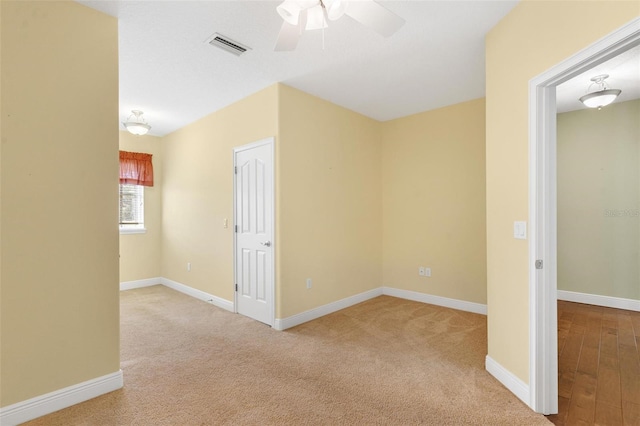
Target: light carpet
(386, 361)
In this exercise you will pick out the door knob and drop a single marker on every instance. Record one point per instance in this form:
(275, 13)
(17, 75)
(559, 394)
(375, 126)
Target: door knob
(266, 243)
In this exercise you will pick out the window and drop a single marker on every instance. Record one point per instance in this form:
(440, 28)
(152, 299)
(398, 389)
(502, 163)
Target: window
(131, 208)
(136, 172)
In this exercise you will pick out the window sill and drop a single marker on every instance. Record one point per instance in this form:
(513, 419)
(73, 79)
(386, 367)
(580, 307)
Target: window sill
(124, 231)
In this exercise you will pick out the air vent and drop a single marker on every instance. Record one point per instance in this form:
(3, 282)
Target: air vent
(225, 43)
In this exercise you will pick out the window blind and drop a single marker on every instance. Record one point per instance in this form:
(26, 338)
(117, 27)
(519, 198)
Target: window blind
(131, 205)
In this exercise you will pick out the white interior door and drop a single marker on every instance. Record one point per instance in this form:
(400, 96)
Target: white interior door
(254, 230)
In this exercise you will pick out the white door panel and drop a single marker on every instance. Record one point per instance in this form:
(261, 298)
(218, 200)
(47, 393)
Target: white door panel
(254, 232)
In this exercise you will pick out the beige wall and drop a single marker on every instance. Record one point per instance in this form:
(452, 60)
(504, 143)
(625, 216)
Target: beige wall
(535, 36)
(434, 202)
(598, 200)
(57, 312)
(329, 199)
(329, 203)
(140, 253)
(59, 282)
(197, 191)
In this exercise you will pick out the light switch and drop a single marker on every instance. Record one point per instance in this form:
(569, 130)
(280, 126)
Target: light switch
(520, 230)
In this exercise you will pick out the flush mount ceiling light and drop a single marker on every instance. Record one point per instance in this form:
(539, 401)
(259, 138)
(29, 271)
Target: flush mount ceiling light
(300, 15)
(136, 123)
(602, 96)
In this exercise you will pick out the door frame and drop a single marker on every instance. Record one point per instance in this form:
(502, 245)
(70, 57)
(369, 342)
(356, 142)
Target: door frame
(271, 142)
(543, 286)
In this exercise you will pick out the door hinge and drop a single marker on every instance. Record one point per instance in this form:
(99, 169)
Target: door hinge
(235, 170)
(236, 287)
(539, 264)
(236, 228)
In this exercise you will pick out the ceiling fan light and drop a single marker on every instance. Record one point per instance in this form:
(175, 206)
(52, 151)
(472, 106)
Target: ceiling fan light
(315, 18)
(600, 98)
(289, 10)
(336, 9)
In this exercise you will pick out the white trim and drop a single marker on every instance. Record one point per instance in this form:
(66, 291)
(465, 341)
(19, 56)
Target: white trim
(129, 231)
(543, 362)
(598, 300)
(57, 400)
(543, 366)
(511, 382)
(461, 305)
(148, 282)
(198, 294)
(320, 311)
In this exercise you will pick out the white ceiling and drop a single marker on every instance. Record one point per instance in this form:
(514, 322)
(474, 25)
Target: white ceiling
(169, 71)
(624, 74)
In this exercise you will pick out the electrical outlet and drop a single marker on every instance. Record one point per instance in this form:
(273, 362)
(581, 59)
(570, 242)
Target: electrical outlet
(427, 272)
(188, 266)
(309, 283)
(421, 271)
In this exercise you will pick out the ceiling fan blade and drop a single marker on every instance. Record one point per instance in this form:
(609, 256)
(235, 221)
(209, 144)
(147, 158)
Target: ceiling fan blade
(290, 34)
(374, 16)
(288, 37)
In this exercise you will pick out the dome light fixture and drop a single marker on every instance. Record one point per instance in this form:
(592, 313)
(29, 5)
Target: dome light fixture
(136, 124)
(602, 96)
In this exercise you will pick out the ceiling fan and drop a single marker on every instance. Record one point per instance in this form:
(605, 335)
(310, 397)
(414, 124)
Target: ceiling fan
(300, 15)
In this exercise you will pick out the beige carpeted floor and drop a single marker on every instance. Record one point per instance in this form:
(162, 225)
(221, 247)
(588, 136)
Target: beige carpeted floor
(386, 361)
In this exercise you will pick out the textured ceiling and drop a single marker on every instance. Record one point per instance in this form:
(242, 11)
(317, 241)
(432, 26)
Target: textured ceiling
(169, 71)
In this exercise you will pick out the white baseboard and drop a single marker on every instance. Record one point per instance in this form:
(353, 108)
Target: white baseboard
(48, 403)
(595, 299)
(198, 294)
(292, 321)
(460, 305)
(130, 285)
(510, 381)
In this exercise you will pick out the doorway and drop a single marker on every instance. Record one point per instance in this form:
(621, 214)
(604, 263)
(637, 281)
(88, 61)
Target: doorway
(254, 230)
(543, 344)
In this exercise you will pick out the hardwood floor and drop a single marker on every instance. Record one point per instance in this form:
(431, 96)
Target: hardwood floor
(598, 366)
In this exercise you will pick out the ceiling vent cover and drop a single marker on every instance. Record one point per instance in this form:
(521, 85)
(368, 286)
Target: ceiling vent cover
(225, 43)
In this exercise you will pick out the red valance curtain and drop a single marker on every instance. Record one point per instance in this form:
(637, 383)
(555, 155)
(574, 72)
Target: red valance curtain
(136, 168)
